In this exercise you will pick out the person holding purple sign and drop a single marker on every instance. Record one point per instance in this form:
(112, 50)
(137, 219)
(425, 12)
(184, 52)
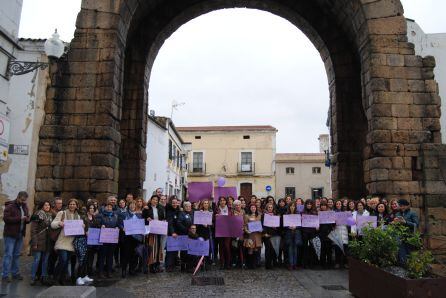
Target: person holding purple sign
(326, 244)
(360, 211)
(172, 214)
(308, 253)
(340, 257)
(224, 243)
(268, 234)
(155, 252)
(107, 219)
(238, 251)
(185, 221)
(191, 260)
(293, 240)
(129, 242)
(253, 240)
(207, 231)
(92, 250)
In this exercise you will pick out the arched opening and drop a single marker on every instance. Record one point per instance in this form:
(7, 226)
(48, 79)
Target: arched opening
(342, 59)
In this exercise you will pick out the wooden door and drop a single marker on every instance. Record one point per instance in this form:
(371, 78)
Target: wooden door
(246, 191)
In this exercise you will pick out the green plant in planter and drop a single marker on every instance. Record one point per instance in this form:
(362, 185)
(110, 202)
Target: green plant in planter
(418, 263)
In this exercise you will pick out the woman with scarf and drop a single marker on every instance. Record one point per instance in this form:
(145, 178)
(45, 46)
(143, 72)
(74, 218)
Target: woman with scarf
(129, 242)
(252, 240)
(185, 220)
(268, 234)
(107, 219)
(155, 252)
(342, 231)
(308, 253)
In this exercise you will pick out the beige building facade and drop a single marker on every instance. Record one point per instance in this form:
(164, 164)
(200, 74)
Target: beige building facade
(243, 155)
(302, 175)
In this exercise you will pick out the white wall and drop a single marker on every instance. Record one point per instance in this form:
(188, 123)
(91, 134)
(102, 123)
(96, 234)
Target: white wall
(157, 156)
(432, 45)
(10, 11)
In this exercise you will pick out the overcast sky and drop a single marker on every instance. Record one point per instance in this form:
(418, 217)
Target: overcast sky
(235, 67)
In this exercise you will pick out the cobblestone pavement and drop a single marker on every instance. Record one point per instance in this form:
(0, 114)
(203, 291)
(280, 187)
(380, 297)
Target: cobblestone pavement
(237, 283)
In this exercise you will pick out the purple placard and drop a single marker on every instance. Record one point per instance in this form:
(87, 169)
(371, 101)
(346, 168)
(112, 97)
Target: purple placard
(198, 247)
(199, 191)
(228, 226)
(73, 227)
(341, 217)
(177, 244)
(327, 217)
(93, 236)
(158, 227)
(203, 218)
(292, 220)
(272, 221)
(224, 192)
(363, 221)
(109, 235)
(300, 208)
(255, 226)
(310, 221)
(134, 226)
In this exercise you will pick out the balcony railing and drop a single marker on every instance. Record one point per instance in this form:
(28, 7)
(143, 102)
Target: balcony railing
(246, 168)
(194, 170)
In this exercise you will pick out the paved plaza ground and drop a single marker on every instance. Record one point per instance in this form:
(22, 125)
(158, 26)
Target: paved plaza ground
(237, 283)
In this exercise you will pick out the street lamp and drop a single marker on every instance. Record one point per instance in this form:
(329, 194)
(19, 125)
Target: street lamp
(54, 48)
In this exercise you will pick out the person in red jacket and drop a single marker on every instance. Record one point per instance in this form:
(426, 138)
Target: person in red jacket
(16, 217)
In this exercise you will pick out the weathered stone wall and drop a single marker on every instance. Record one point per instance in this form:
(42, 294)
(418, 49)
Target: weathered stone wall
(385, 106)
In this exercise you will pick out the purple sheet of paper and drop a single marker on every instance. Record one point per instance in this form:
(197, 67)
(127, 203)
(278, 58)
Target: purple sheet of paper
(292, 220)
(73, 227)
(202, 218)
(134, 226)
(310, 221)
(199, 191)
(272, 221)
(109, 235)
(363, 221)
(341, 217)
(327, 217)
(228, 226)
(255, 226)
(198, 247)
(158, 227)
(177, 244)
(93, 236)
(300, 208)
(225, 192)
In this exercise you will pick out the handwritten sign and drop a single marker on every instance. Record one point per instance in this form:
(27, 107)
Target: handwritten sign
(73, 227)
(255, 226)
(202, 218)
(158, 227)
(198, 247)
(365, 221)
(272, 221)
(109, 235)
(93, 236)
(341, 217)
(134, 226)
(228, 226)
(327, 217)
(310, 221)
(177, 244)
(292, 220)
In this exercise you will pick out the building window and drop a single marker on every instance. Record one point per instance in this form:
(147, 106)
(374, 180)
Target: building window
(246, 162)
(178, 159)
(197, 137)
(316, 170)
(246, 137)
(197, 162)
(317, 193)
(289, 170)
(170, 150)
(290, 191)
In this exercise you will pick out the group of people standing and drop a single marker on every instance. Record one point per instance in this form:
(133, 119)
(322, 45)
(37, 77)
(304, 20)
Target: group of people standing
(57, 256)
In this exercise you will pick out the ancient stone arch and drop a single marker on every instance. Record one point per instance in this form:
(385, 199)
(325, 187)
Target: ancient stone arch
(385, 107)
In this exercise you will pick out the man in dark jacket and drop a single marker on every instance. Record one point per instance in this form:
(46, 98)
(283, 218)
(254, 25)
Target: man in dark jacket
(408, 218)
(16, 217)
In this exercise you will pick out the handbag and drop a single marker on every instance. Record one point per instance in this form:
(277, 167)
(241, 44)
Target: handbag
(54, 233)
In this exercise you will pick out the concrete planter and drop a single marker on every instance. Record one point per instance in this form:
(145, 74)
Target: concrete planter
(369, 281)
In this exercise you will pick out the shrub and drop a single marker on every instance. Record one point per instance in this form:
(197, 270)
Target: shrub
(418, 263)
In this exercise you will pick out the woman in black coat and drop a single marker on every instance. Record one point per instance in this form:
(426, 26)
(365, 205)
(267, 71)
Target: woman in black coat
(172, 215)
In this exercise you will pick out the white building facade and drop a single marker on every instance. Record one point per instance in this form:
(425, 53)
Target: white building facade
(432, 45)
(166, 159)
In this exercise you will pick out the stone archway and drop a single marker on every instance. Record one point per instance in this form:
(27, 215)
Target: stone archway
(384, 100)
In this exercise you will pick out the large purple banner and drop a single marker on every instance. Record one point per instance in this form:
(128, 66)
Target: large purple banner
(199, 191)
(228, 226)
(224, 192)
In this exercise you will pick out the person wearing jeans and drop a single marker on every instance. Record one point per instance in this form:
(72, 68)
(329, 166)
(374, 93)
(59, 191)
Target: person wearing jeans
(40, 222)
(16, 217)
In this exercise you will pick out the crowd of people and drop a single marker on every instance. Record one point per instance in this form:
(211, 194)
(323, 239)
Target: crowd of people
(58, 258)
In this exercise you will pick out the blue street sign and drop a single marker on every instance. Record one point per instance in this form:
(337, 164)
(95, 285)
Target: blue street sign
(268, 188)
